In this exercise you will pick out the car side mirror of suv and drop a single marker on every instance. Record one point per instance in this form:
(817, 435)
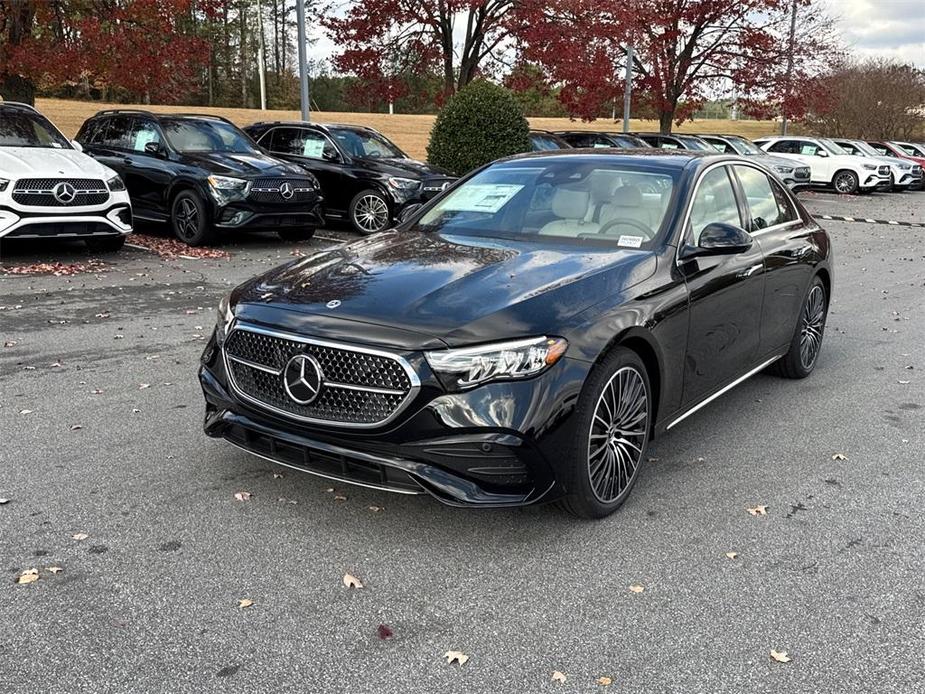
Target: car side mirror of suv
(822, 153)
(328, 155)
(76, 145)
(154, 148)
(719, 238)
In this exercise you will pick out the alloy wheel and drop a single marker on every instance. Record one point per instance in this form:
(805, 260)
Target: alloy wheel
(187, 216)
(812, 327)
(618, 435)
(371, 213)
(844, 183)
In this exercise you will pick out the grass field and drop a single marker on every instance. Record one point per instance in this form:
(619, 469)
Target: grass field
(410, 132)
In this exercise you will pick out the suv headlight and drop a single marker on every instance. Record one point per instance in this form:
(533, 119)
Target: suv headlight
(227, 189)
(870, 167)
(783, 169)
(223, 318)
(404, 184)
(470, 366)
(4, 182)
(114, 184)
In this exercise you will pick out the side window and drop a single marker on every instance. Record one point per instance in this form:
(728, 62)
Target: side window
(301, 142)
(142, 132)
(848, 147)
(119, 132)
(96, 133)
(785, 207)
(721, 146)
(666, 143)
(808, 149)
(599, 142)
(762, 202)
(714, 202)
(783, 147)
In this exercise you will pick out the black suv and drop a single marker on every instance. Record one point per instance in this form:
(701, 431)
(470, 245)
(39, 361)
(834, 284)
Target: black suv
(202, 174)
(365, 177)
(586, 138)
(689, 142)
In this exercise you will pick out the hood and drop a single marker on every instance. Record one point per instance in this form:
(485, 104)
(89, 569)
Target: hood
(398, 166)
(790, 163)
(902, 164)
(240, 164)
(456, 289)
(48, 162)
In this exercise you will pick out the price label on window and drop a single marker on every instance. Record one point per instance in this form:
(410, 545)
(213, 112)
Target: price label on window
(482, 197)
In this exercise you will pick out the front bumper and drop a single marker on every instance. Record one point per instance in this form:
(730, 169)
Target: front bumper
(22, 223)
(246, 214)
(498, 445)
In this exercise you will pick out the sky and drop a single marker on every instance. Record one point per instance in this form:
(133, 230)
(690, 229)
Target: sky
(869, 28)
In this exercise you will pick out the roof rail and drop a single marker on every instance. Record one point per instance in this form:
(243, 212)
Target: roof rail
(18, 104)
(111, 111)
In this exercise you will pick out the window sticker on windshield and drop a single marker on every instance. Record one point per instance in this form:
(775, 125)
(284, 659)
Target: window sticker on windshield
(600, 145)
(630, 241)
(313, 148)
(486, 197)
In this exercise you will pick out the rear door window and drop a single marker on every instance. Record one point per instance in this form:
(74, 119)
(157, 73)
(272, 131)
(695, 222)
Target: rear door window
(768, 205)
(715, 201)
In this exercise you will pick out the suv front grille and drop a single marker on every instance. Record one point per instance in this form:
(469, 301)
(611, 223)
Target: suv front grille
(273, 189)
(41, 192)
(884, 170)
(801, 173)
(359, 387)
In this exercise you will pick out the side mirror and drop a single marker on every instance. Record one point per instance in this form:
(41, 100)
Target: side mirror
(408, 212)
(154, 148)
(76, 145)
(328, 155)
(719, 238)
(822, 153)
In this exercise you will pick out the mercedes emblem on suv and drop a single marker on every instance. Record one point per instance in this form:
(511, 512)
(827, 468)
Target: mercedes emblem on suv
(64, 193)
(302, 378)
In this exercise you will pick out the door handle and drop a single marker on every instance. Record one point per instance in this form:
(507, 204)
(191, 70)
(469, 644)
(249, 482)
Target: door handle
(748, 272)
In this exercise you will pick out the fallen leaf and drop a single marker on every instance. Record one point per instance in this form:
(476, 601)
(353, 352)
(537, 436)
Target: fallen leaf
(28, 576)
(636, 588)
(758, 511)
(558, 676)
(4, 501)
(243, 496)
(75, 427)
(142, 386)
(277, 475)
(352, 581)
(80, 537)
(54, 570)
(375, 509)
(604, 681)
(904, 383)
(731, 555)
(9, 343)
(96, 391)
(839, 456)
(25, 412)
(245, 602)
(780, 656)
(384, 632)
(330, 490)
(340, 497)
(457, 656)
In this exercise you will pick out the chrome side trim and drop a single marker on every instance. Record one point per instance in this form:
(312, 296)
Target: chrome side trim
(723, 390)
(409, 371)
(333, 478)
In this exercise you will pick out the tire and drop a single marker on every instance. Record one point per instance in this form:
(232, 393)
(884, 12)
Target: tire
(591, 492)
(369, 212)
(189, 221)
(109, 244)
(845, 182)
(807, 335)
(296, 234)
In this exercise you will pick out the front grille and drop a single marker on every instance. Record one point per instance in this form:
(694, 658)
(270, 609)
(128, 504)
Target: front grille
(359, 387)
(801, 172)
(272, 189)
(433, 186)
(884, 171)
(41, 192)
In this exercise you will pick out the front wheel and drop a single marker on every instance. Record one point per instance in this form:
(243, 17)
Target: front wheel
(845, 182)
(800, 359)
(188, 219)
(614, 419)
(369, 212)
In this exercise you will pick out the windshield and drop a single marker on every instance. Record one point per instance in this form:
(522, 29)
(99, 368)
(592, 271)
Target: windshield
(908, 148)
(542, 142)
(628, 141)
(189, 135)
(26, 129)
(743, 146)
(865, 149)
(587, 202)
(695, 143)
(366, 144)
(830, 146)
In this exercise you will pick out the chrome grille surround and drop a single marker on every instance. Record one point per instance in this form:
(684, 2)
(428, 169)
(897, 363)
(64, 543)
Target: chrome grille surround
(361, 387)
(270, 190)
(801, 173)
(39, 192)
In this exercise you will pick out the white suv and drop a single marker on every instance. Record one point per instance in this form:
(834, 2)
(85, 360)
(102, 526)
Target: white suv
(50, 189)
(831, 165)
(904, 174)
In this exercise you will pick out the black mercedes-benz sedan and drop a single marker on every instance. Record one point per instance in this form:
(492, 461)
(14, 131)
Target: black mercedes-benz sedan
(522, 337)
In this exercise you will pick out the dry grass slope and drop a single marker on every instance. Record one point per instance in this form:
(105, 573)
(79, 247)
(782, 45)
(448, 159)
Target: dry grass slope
(410, 132)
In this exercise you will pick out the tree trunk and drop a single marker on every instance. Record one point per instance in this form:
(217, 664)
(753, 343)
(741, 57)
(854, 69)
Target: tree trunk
(446, 47)
(16, 88)
(665, 121)
(242, 16)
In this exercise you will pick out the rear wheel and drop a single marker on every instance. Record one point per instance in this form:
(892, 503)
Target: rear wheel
(800, 359)
(189, 220)
(369, 212)
(614, 419)
(296, 234)
(109, 244)
(845, 182)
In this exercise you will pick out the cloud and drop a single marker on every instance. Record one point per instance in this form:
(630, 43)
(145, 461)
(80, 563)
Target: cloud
(882, 28)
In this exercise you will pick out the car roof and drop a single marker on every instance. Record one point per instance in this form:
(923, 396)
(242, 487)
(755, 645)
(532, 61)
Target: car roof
(311, 124)
(676, 158)
(158, 116)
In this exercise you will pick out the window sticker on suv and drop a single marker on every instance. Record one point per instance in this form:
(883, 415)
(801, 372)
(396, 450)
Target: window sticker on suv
(486, 197)
(313, 148)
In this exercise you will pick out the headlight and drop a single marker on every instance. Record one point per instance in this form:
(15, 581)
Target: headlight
(226, 189)
(470, 366)
(870, 167)
(114, 184)
(4, 182)
(783, 169)
(405, 184)
(223, 318)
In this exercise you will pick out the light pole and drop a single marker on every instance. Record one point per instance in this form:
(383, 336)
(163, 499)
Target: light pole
(261, 58)
(789, 77)
(628, 88)
(303, 61)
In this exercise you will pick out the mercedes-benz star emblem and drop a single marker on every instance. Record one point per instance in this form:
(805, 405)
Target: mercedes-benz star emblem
(302, 378)
(286, 190)
(64, 193)
(333, 303)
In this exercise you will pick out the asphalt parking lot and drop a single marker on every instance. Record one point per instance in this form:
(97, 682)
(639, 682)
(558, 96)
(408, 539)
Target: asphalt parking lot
(101, 441)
